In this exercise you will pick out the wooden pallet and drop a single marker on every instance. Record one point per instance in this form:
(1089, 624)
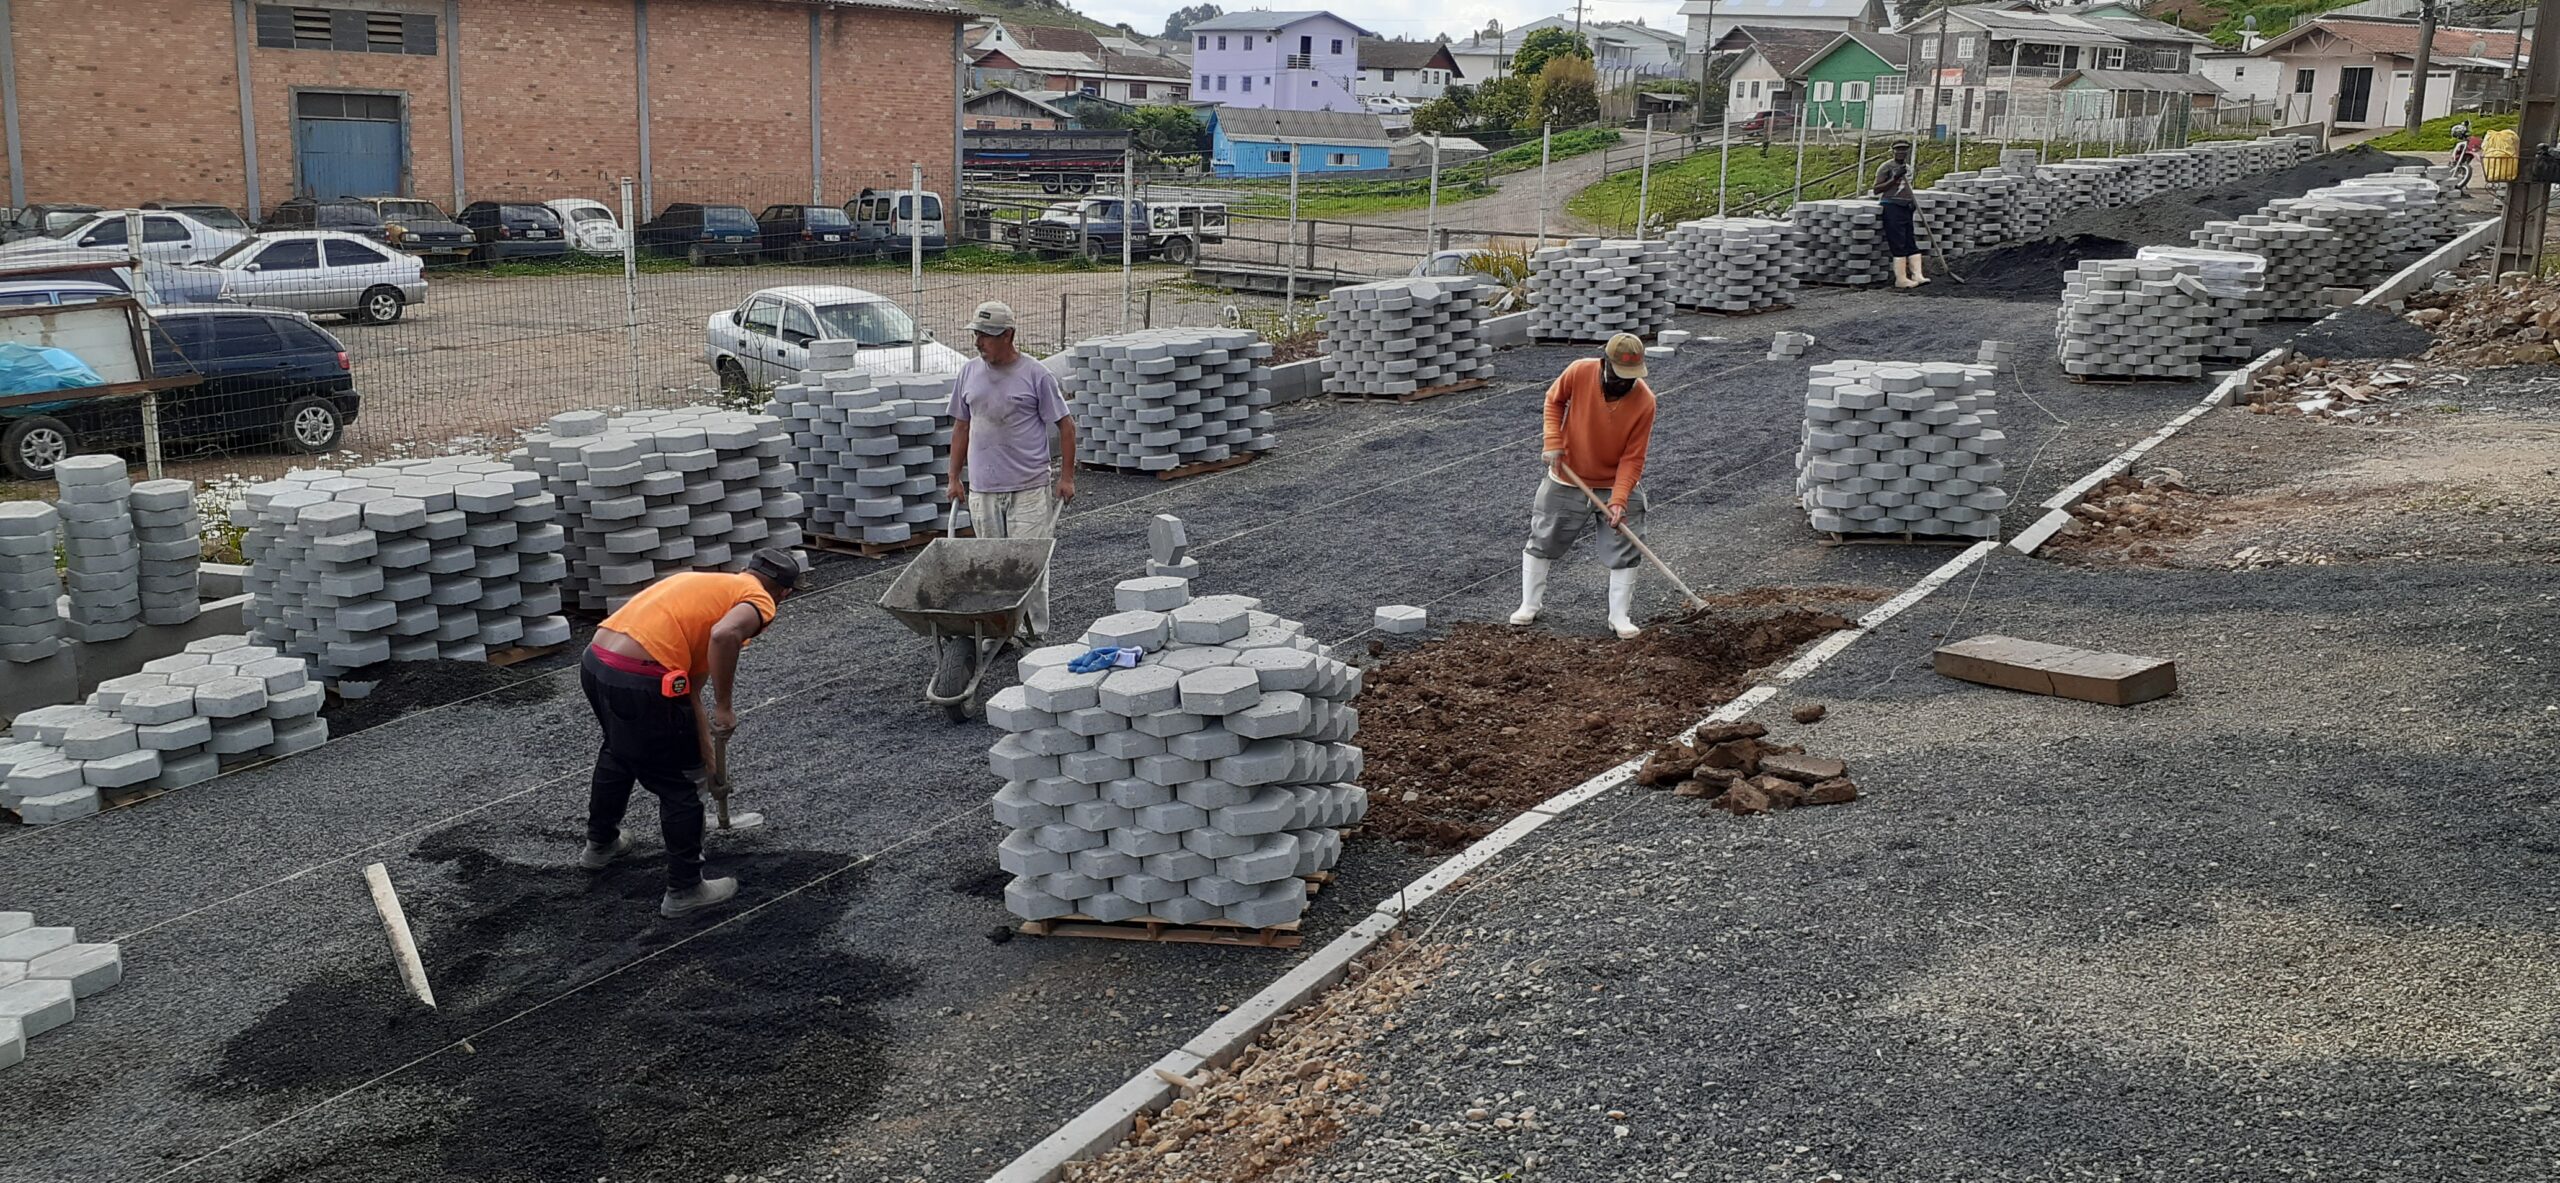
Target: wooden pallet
(875, 550)
(1238, 460)
(1148, 928)
(1899, 538)
(1418, 395)
(2124, 379)
(117, 798)
(519, 654)
(1745, 312)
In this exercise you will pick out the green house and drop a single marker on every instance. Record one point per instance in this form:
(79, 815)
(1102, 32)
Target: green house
(1839, 81)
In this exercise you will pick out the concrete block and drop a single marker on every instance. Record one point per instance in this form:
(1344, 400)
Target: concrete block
(1280, 901)
(1142, 630)
(1179, 864)
(1089, 722)
(1213, 793)
(300, 702)
(1131, 840)
(27, 944)
(1009, 759)
(1025, 899)
(1263, 762)
(1014, 806)
(1111, 907)
(87, 969)
(1097, 814)
(56, 808)
(194, 768)
(1185, 909)
(1400, 618)
(1058, 690)
(1052, 741)
(1010, 709)
(1269, 811)
(117, 772)
(36, 1005)
(1151, 594)
(230, 696)
(1066, 838)
(1021, 854)
(298, 735)
(1189, 659)
(1208, 743)
(98, 739)
(1128, 744)
(1144, 690)
(1277, 715)
(1170, 770)
(1221, 690)
(1060, 791)
(1280, 669)
(1094, 768)
(1136, 793)
(239, 737)
(1222, 891)
(1102, 862)
(1201, 622)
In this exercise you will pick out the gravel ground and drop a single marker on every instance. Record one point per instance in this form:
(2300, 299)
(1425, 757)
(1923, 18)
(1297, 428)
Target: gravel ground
(246, 930)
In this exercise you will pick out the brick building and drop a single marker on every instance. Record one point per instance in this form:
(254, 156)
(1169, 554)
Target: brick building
(249, 103)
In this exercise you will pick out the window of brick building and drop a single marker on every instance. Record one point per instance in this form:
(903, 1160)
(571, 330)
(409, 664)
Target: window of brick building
(1137, 90)
(345, 30)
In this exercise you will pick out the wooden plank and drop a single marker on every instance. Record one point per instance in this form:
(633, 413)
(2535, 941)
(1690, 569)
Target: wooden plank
(1238, 460)
(1418, 395)
(519, 654)
(875, 550)
(2109, 679)
(1897, 538)
(1149, 928)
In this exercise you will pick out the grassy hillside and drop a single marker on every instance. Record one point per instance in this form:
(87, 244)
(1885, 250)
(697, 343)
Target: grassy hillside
(2222, 19)
(1042, 12)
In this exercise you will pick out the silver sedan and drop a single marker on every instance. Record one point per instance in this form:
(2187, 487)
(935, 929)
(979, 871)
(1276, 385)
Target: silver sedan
(322, 271)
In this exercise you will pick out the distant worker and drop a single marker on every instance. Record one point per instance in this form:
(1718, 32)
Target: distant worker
(1599, 423)
(1893, 189)
(1013, 445)
(644, 673)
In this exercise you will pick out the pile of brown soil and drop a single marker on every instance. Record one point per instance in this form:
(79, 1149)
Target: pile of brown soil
(2129, 517)
(1464, 734)
(1731, 766)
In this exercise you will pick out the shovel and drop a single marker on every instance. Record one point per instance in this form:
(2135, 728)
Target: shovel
(1696, 601)
(720, 790)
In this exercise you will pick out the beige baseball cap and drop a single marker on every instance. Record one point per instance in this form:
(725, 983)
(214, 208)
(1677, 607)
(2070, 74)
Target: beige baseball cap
(993, 319)
(1625, 355)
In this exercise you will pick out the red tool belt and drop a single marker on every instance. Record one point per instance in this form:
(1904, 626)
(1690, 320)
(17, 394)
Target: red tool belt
(671, 683)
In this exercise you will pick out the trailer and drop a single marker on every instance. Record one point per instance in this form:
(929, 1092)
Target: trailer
(1057, 161)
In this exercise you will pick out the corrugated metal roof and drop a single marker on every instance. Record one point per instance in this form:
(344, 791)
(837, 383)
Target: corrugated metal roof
(1140, 65)
(2165, 83)
(1330, 127)
(952, 10)
(1399, 55)
(1058, 61)
(1257, 22)
(1746, 9)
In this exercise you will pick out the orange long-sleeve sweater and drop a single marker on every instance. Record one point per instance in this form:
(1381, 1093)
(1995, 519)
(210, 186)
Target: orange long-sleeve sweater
(1603, 441)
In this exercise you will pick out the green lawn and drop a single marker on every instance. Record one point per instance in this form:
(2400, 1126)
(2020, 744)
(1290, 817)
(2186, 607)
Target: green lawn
(1687, 188)
(2436, 135)
(1345, 199)
(1562, 146)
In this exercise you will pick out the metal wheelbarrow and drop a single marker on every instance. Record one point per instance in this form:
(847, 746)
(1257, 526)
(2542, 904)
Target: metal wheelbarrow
(968, 595)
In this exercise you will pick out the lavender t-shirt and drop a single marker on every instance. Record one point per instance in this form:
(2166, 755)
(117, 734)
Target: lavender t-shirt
(1012, 415)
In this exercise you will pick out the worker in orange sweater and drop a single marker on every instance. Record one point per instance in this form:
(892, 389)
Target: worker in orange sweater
(1599, 422)
(648, 674)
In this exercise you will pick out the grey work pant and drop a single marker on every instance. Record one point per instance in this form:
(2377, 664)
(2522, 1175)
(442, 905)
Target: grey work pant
(1028, 513)
(1559, 514)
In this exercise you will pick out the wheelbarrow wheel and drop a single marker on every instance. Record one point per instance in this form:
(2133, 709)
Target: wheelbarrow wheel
(954, 661)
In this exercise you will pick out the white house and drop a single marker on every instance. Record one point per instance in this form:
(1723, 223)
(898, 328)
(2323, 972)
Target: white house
(1770, 56)
(1415, 70)
(2244, 77)
(1616, 47)
(2354, 72)
(1710, 20)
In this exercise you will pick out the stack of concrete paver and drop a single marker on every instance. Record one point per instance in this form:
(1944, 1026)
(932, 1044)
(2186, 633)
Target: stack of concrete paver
(2436, 205)
(1590, 289)
(1895, 447)
(410, 560)
(2001, 217)
(224, 700)
(1402, 335)
(1950, 222)
(2232, 285)
(102, 563)
(1161, 399)
(1784, 346)
(2000, 357)
(170, 533)
(2366, 236)
(30, 623)
(43, 972)
(2084, 184)
(1202, 785)
(2144, 319)
(2300, 260)
(1169, 549)
(1733, 264)
(1842, 240)
(873, 453)
(651, 493)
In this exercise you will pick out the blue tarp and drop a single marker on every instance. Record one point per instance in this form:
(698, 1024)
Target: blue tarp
(32, 369)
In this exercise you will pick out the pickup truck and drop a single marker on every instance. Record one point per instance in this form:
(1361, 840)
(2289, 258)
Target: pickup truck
(1055, 160)
(1093, 227)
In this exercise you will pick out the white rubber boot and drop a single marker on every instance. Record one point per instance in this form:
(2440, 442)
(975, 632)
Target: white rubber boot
(1533, 588)
(1622, 601)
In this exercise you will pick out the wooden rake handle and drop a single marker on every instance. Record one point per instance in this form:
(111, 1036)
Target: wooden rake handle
(1695, 600)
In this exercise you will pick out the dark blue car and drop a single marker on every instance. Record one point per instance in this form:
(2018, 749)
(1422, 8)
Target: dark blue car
(264, 376)
(514, 230)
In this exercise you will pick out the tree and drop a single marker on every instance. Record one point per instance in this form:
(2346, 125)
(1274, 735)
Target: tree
(1503, 104)
(1541, 45)
(1168, 130)
(1180, 20)
(1567, 92)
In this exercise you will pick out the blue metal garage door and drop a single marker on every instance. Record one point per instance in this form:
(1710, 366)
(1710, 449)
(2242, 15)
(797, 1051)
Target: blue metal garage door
(349, 145)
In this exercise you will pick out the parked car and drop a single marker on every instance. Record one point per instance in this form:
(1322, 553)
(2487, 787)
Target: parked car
(765, 339)
(52, 291)
(164, 284)
(1092, 228)
(1768, 124)
(514, 230)
(799, 233)
(419, 227)
(346, 214)
(262, 374)
(592, 228)
(317, 271)
(886, 218)
(699, 232)
(167, 237)
(211, 213)
(37, 220)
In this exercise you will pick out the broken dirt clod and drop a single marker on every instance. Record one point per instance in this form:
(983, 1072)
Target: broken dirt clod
(1811, 712)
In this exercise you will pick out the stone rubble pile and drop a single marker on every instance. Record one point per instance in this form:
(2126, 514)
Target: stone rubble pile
(1894, 447)
(1160, 399)
(1591, 289)
(873, 453)
(649, 493)
(1402, 335)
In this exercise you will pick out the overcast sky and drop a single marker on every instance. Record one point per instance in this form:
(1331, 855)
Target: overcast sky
(1457, 18)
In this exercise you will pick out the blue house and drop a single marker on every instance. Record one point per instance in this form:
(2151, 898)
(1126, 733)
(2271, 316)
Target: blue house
(1257, 142)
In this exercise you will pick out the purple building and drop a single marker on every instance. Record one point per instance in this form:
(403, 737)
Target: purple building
(1281, 61)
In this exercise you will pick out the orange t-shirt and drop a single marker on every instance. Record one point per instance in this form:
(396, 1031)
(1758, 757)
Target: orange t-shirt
(672, 618)
(1603, 441)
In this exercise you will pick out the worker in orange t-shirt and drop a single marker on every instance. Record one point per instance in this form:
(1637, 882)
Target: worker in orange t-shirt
(645, 674)
(1599, 423)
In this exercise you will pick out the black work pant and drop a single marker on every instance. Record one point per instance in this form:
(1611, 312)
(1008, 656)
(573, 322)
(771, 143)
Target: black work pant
(650, 739)
(1899, 241)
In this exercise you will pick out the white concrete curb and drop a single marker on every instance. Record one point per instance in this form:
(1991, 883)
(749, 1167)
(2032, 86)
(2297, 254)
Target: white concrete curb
(2437, 262)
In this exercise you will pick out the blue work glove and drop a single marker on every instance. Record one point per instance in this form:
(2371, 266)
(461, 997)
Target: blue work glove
(1106, 657)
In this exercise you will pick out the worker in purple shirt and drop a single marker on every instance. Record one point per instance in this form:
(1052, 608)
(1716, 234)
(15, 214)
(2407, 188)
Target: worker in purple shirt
(1013, 445)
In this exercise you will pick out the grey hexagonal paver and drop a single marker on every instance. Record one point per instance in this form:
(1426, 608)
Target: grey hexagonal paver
(1185, 909)
(1220, 691)
(1262, 762)
(1128, 744)
(157, 704)
(1279, 714)
(98, 739)
(1021, 854)
(1065, 838)
(1096, 815)
(1010, 709)
(1092, 767)
(1151, 593)
(1014, 806)
(1208, 743)
(1145, 888)
(1111, 907)
(1141, 630)
(1278, 902)
(116, 772)
(1280, 669)
(231, 697)
(1179, 864)
(1136, 793)
(1058, 690)
(1267, 812)
(1220, 890)
(1142, 843)
(1212, 793)
(1197, 657)
(1010, 759)
(1144, 690)
(1170, 770)
(1102, 862)
(1207, 622)
(1023, 898)
(1216, 843)
(1060, 791)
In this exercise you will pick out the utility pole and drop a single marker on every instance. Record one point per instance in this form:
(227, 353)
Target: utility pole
(2529, 200)
(2417, 112)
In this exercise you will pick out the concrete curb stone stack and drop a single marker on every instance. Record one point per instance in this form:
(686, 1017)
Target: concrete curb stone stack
(2129, 319)
(873, 454)
(224, 700)
(1160, 399)
(1401, 335)
(1890, 447)
(2299, 261)
(170, 532)
(2232, 285)
(1842, 240)
(411, 560)
(2365, 234)
(30, 620)
(1202, 785)
(1590, 289)
(650, 493)
(1733, 264)
(44, 971)
(102, 563)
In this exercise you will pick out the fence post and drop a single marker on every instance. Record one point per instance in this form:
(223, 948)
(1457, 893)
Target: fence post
(1289, 318)
(1430, 220)
(1724, 153)
(915, 262)
(1062, 320)
(1129, 233)
(1151, 309)
(1798, 194)
(1644, 178)
(631, 291)
(1312, 224)
(1546, 153)
(151, 454)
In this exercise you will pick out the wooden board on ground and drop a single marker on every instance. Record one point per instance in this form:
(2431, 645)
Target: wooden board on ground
(118, 798)
(518, 654)
(2126, 379)
(1148, 928)
(2109, 679)
(874, 550)
(1732, 314)
(1418, 395)
(1238, 460)
(1897, 538)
